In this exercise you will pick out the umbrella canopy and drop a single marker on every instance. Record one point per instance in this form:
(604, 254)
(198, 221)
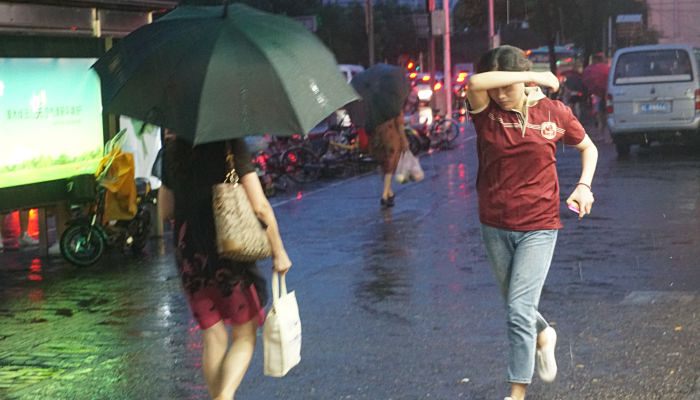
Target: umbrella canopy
(595, 78)
(384, 89)
(216, 73)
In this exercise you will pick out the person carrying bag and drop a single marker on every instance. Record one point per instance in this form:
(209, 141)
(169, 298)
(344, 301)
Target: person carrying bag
(219, 289)
(282, 330)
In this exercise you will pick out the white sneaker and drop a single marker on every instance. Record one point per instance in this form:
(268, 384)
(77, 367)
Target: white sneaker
(546, 364)
(26, 240)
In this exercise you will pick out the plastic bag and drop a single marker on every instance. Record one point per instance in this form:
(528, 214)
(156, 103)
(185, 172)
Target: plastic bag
(409, 168)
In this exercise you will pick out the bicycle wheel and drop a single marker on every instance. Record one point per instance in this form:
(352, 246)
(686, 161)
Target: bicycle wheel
(301, 165)
(447, 130)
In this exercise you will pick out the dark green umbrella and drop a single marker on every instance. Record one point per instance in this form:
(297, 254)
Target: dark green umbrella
(216, 73)
(384, 89)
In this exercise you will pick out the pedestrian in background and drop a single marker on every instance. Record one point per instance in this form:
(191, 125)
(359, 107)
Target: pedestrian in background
(595, 78)
(217, 290)
(518, 129)
(387, 142)
(24, 239)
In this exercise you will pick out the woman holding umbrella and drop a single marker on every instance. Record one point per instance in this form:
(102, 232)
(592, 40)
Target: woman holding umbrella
(216, 74)
(384, 89)
(217, 290)
(518, 129)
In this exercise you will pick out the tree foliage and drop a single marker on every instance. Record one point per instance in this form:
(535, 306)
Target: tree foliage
(582, 22)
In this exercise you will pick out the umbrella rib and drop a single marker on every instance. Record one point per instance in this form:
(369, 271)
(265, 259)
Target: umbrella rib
(276, 70)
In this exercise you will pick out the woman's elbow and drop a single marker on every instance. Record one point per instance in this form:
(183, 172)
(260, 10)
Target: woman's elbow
(263, 210)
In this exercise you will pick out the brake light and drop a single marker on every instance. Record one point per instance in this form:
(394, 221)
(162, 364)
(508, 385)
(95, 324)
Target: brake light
(426, 78)
(697, 99)
(412, 75)
(437, 86)
(609, 104)
(461, 77)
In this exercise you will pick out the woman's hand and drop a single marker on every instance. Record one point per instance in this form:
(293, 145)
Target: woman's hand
(581, 198)
(547, 79)
(281, 263)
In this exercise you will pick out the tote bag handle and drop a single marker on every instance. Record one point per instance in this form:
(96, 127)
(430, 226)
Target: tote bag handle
(277, 282)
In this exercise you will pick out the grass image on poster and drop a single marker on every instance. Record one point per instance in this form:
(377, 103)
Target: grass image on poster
(50, 119)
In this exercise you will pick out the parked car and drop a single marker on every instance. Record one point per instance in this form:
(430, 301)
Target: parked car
(654, 95)
(566, 58)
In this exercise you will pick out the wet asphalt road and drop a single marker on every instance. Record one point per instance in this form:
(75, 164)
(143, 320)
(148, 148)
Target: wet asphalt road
(395, 304)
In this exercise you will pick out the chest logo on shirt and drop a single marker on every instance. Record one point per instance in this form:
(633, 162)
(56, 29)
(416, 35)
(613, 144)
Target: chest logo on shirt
(548, 130)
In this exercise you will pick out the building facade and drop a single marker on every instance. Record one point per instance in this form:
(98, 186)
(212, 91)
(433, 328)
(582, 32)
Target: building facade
(676, 21)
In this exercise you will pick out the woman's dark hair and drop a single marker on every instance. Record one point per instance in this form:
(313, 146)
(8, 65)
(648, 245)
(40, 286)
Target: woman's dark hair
(503, 58)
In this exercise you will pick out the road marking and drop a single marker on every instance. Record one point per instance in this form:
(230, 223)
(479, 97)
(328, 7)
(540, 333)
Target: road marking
(336, 184)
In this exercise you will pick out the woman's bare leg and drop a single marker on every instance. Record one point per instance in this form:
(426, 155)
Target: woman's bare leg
(238, 358)
(387, 192)
(517, 391)
(215, 343)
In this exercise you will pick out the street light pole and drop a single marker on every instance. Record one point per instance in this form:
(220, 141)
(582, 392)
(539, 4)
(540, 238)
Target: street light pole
(369, 22)
(447, 60)
(492, 31)
(431, 39)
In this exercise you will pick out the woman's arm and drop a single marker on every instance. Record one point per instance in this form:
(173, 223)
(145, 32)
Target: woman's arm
(166, 203)
(263, 209)
(480, 83)
(582, 194)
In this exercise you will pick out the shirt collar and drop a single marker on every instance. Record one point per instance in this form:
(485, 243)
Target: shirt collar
(533, 95)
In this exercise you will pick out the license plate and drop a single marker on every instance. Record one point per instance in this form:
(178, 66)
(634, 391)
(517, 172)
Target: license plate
(656, 107)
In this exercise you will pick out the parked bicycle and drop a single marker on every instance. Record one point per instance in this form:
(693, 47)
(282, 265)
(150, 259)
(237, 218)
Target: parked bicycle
(441, 134)
(343, 155)
(285, 158)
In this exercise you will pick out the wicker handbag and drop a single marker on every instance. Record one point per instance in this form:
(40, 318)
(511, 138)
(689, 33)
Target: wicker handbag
(240, 235)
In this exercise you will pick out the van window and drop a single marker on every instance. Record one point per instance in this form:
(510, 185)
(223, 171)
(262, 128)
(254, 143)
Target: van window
(653, 66)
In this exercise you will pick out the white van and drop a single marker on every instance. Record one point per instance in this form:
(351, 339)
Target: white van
(654, 95)
(350, 70)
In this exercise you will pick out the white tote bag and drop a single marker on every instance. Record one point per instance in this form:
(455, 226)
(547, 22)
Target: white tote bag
(282, 331)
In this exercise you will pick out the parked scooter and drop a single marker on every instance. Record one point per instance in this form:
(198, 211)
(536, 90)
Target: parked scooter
(88, 235)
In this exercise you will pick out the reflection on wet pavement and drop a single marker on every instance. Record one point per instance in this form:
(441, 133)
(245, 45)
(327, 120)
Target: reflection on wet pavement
(395, 304)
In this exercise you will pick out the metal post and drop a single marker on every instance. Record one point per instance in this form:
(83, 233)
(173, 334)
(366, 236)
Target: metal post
(431, 40)
(492, 31)
(507, 12)
(369, 20)
(447, 57)
(610, 37)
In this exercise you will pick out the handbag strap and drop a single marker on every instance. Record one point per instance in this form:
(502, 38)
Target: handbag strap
(232, 175)
(277, 282)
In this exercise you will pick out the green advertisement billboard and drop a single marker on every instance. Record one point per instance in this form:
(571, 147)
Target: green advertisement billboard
(50, 119)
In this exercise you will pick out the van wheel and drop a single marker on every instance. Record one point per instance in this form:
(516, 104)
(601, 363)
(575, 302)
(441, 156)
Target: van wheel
(623, 149)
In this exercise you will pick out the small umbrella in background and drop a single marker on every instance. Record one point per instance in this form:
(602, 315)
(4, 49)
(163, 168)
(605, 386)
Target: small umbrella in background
(384, 89)
(213, 73)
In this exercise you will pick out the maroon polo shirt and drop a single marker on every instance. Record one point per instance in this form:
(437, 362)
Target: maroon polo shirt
(517, 180)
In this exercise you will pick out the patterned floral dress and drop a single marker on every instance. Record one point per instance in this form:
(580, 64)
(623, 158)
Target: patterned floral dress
(216, 289)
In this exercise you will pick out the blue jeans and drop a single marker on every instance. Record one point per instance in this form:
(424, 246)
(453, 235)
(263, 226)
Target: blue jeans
(520, 262)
